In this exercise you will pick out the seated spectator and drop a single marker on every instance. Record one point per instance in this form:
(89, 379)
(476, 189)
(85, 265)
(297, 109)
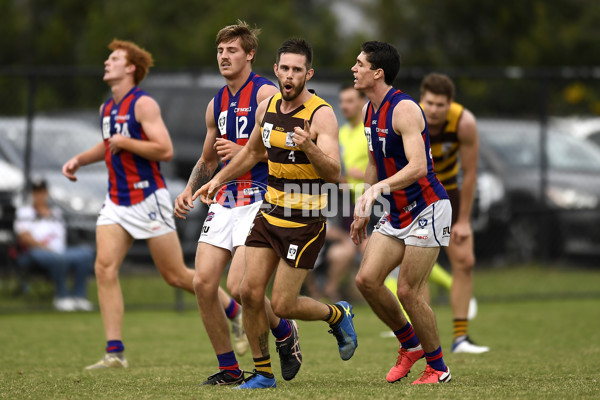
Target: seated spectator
(41, 234)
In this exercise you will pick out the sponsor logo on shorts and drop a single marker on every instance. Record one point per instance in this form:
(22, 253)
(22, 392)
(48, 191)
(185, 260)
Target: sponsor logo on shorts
(152, 215)
(422, 234)
(446, 231)
(422, 222)
(292, 252)
(210, 216)
(154, 225)
(205, 230)
(381, 222)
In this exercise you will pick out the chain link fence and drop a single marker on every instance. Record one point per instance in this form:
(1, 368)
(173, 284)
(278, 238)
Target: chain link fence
(538, 195)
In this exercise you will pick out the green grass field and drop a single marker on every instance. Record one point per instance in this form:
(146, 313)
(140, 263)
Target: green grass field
(542, 324)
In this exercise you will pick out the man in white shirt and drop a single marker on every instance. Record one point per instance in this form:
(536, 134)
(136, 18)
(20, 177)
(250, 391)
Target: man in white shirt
(41, 232)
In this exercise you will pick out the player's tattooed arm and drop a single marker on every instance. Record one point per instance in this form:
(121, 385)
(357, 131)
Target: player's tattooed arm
(200, 175)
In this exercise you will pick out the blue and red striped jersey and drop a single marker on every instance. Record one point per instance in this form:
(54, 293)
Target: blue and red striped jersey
(131, 178)
(235, 117)
(387, 150)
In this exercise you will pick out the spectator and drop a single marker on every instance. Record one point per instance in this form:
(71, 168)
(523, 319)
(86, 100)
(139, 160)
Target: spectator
(42, 234)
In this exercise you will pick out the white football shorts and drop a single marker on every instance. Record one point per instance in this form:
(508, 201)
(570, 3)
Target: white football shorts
(149, 218)
(228, 228)
(430, 229)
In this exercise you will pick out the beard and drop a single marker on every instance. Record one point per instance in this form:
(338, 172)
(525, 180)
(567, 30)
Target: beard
(290, 96)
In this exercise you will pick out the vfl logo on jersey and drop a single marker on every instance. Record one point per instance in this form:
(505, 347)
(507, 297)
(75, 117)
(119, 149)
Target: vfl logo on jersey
(152, 216)
(368, 135)
(106, 128)
(266, 134)
(222, 123)
(292, 252)
(422, 222)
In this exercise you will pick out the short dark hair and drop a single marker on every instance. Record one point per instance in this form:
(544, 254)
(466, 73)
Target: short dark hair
(438, 84)
(296, 46)
(385, 56)
(39, 184)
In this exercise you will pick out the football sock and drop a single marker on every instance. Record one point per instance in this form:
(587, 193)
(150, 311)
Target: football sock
(440, 276)
(407, 336)
(435, 359)
(335, 314)
(283, 330)
(460, 328)
(262, 365)
(232, 309)
(228, 362)
(114, 346)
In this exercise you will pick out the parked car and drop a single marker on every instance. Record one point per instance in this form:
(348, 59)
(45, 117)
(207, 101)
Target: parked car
(562, 217)
(54, 141)
(581, 127)
(11, 183)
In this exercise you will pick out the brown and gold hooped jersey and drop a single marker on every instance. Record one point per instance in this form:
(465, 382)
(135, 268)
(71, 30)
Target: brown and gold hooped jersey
(293, 186)
(444, 149)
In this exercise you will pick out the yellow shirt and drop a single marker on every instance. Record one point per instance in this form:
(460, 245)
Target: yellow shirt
(353, 146)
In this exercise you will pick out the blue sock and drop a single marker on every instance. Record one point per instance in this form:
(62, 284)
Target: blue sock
(114, 346)
(232, 309)
(228, 362)
(407, 336)
(283, 330)
(436, 360)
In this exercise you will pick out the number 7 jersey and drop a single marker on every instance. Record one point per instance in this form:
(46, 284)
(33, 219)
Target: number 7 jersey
(387, 150)
(235, 118)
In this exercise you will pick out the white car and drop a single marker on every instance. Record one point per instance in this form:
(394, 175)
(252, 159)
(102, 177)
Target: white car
(54, 141)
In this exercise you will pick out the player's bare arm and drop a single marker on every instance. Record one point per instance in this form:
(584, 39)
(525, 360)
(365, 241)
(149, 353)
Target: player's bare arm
(370, 170)
(90, 156)
(204, 168)
(468, 150)
(158, 147)
(407, 122)
(324, 155)
(252, 153)
(358, 229)
(94, 154)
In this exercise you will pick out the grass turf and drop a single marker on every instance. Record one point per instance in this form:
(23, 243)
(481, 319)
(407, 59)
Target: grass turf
(542, 326)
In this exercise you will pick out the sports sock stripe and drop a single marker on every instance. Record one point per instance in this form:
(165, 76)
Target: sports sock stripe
(263, 365)
(460, 328)
(335, 314)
